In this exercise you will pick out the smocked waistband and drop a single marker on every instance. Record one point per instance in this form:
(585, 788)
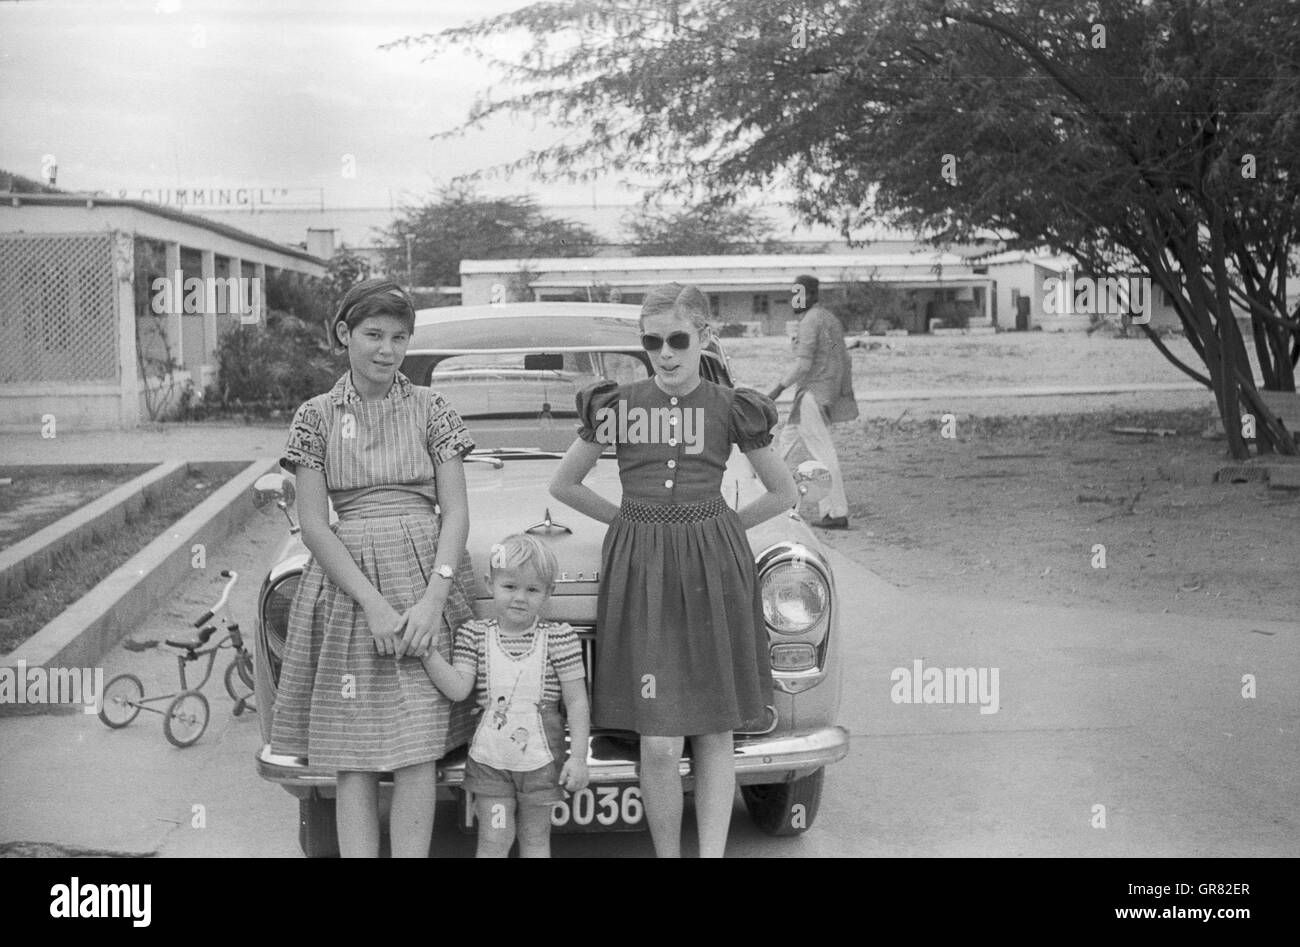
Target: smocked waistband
(635, 512)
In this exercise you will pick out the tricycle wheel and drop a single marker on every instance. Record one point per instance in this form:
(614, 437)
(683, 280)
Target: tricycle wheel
(239, 679)
(783, 809)
(186, 718)
(120, 702)
(318, 833)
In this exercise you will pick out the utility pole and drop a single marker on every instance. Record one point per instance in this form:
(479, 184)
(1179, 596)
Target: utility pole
(410, 287)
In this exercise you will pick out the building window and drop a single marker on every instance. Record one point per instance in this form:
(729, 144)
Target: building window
(715, 306)
(762, 304)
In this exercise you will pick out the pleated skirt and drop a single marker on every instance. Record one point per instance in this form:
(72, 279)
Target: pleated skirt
(340, 703)
(681, 647)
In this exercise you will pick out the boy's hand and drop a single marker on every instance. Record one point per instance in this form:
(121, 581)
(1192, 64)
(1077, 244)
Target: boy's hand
(574, 777)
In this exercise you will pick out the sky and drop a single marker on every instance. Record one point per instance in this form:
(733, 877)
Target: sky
(156, 94)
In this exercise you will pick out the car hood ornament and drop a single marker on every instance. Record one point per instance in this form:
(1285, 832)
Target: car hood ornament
(547, 525)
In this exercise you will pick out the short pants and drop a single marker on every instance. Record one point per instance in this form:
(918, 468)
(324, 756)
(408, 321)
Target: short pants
(537, 787)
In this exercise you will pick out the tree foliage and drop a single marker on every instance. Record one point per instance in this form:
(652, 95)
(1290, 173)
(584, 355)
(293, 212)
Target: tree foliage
(700, 231)
(1156, 136)
(458, 224)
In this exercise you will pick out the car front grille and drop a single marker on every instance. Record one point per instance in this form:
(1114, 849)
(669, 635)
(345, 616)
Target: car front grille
(587, 639)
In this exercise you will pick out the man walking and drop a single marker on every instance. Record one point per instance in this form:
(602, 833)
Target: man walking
(823, 373)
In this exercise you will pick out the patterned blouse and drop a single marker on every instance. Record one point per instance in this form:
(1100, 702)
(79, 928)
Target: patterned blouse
(365, 446)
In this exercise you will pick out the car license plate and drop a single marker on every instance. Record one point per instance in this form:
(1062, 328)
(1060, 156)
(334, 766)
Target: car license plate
(610, 808)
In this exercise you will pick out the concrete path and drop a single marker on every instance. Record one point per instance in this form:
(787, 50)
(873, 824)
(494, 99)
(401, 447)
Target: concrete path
(154, 444)
(1141, 714)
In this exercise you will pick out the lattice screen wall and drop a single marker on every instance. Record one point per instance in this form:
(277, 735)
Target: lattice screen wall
(57, 308)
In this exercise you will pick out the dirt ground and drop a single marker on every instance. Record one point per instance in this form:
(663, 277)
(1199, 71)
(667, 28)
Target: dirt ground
(1022, 359)
(1014, 508)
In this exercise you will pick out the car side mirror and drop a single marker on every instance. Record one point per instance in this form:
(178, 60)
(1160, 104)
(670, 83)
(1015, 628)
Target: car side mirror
(276, 490)
(813, 479)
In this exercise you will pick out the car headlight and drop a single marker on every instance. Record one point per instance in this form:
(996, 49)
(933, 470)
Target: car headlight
(275, 614)
(795, 597)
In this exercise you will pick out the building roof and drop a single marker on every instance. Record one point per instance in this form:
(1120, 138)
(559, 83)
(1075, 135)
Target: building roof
(730, 264)
(157, 210)
(1052, 261)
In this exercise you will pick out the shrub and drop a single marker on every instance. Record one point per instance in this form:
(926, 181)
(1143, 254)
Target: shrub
(731, 330)
(870, 306)
(278, 365)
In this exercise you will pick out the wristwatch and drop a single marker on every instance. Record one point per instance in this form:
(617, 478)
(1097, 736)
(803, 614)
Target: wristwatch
(445, 571)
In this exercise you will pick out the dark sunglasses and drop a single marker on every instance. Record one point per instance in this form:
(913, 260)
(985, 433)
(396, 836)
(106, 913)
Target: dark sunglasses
(680, 341)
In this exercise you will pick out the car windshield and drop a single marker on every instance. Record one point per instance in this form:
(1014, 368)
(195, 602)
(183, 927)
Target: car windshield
(522, 385)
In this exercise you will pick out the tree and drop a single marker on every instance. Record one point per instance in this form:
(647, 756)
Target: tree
(870, 304)
(1161, 136)
(460, 224)
(18, 184)
(346, 268)
(703, 230)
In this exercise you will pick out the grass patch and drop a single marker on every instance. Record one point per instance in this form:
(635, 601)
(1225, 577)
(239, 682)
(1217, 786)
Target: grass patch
(76, 572)
(39, 496)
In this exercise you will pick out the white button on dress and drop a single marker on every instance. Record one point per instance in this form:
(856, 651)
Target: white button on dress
(668, 484)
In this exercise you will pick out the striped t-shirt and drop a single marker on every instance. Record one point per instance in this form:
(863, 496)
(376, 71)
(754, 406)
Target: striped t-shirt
(563, 655)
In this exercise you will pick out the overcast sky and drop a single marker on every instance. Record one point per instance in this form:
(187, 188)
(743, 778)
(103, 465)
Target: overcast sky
(128, 94)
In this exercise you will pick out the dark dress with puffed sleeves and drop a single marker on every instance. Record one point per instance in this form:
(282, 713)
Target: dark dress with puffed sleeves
(681, 647)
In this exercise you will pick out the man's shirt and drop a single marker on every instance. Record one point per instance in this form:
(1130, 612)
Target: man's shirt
(821, 339)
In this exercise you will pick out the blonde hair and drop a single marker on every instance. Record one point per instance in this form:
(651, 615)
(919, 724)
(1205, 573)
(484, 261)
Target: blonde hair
(520, 550)
(685, 302)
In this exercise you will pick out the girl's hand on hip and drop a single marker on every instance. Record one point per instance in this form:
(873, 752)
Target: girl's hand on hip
(385, 627)
(422, 620)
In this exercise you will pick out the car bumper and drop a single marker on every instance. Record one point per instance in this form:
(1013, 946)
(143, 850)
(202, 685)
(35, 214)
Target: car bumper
(769, 759)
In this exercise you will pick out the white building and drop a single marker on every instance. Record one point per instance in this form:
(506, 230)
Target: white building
(743, 289)
(81, 336)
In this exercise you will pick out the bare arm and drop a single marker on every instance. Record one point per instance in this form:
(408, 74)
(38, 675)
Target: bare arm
(454, 531)
(574, 774)
(781, 495)
(334, 558)
(426, 615)
(456, 683)
(568, 488)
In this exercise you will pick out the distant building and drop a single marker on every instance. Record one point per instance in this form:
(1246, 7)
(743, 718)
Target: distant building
(87, 336)
(752, 290)
(1053, 293)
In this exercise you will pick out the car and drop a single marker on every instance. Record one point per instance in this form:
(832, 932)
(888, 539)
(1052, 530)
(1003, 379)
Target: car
(511, 371)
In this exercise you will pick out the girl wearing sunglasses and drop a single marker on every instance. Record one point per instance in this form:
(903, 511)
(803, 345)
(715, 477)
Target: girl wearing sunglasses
(681, 640)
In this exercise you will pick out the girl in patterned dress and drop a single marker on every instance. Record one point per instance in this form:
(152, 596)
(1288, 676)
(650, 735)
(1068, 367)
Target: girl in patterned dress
(385, 584)
(681, 646)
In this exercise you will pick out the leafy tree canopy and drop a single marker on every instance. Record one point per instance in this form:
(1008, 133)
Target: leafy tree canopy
(1157, 136)
(458, 224)
(701, 230)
